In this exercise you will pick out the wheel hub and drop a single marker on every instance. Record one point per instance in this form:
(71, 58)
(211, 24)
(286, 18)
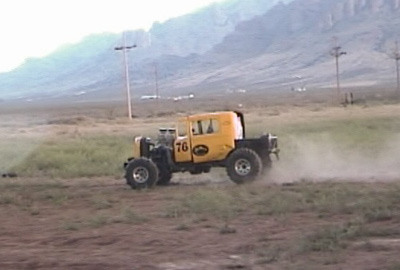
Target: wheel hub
(140, 175)
(242, 167)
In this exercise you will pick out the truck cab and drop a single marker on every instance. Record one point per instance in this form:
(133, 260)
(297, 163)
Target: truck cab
(206, 137)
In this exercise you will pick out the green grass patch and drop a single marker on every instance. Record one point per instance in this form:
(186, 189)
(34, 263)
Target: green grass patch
(367, 206)
(105, 218)
(98, 221)
(364, 135)
(100, 203)
(393, 266)
(217, 203)
(27, 193)
(102, 155)
(9, 199)
(71, 226)
(280, 202)
(367, 201)
(331, 238)
(77, 157)
(129, 216)
(15, 151)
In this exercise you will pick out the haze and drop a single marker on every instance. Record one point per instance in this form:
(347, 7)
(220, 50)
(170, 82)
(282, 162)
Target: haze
(36, 28)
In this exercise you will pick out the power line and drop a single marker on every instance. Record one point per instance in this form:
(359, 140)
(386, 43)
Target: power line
(124, 50)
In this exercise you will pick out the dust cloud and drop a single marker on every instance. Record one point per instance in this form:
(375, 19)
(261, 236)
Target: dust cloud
(324, 159)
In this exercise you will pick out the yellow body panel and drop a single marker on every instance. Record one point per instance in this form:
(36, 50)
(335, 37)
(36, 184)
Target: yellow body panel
(209, 137)
(182, 143)
(136, 147)
(182, 150)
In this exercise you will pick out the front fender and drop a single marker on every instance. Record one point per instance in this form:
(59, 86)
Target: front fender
(127, 162)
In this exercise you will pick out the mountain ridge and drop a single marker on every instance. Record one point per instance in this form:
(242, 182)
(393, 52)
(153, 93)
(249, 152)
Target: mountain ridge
(261, 52)
(297, 38)
(175, 37)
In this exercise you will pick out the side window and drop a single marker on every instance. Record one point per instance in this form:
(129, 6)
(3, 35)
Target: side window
(207, 126)
(197, 128)
(210, 126)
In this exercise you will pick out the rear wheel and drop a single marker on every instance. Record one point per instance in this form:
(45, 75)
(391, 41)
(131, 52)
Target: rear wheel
(141, 173)
(244, 165)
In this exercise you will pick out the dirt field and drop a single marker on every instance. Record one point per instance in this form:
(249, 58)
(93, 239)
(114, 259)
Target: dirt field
(102, 224)
(300, 218)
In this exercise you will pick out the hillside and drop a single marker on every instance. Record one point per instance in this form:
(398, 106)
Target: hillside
(256, 45)
(293, 41)
(92, 64)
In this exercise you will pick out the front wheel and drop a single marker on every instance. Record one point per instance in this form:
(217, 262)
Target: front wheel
(141, 173)
(244, 165)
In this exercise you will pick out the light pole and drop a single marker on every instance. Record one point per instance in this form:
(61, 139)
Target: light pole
(124, 50)
(336, 52)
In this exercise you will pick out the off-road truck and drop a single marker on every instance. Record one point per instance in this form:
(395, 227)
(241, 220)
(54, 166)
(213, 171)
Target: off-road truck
(198, 143)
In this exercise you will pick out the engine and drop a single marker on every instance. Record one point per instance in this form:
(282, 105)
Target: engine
(166, 137)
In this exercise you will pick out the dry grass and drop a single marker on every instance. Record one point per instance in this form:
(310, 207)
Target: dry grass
(92, 147)
(70, 159)
(305, 219)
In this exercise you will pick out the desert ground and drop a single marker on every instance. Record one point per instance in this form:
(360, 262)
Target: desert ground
(331, 201)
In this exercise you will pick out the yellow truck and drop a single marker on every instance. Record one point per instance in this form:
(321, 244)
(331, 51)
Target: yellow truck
(198, 143)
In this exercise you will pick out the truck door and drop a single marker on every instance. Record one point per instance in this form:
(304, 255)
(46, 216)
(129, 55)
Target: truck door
(208, 141)
(182, 144)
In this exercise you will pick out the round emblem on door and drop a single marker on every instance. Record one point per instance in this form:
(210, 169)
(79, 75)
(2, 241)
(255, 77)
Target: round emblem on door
(200, 150)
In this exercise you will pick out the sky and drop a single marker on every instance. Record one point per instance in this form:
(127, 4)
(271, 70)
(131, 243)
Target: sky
(35, 28)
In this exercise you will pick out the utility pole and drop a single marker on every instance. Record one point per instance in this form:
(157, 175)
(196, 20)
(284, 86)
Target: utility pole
(337, 52)
(396, 56)
(124, 50)
(156, 84)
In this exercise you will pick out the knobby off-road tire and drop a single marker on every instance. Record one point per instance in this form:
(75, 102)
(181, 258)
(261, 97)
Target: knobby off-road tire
(141, 173)
(244, 165)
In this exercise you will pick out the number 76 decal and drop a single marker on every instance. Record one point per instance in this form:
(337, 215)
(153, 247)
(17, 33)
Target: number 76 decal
(182, 146)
